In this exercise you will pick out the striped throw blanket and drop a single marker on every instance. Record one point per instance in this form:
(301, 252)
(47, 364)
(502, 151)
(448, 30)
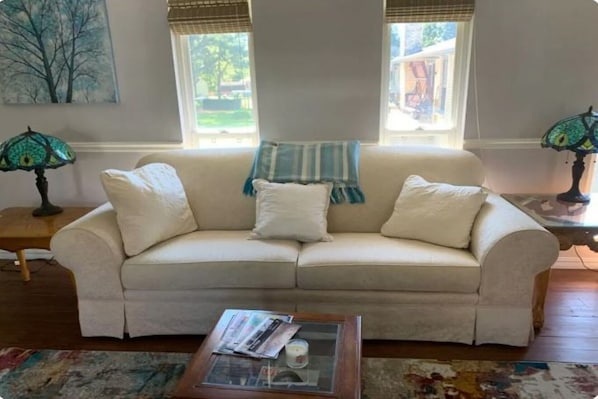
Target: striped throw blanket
(336, 162)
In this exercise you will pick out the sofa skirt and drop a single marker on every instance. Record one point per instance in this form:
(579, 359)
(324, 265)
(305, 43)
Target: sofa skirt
(385, 315)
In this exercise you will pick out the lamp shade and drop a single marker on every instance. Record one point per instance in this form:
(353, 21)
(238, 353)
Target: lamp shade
(36, 151)
(575, 133)
(33, 150)
(578, 134)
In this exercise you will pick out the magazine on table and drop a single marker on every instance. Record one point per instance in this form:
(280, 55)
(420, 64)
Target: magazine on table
(268, 338)
(227, 345)
(242, 325)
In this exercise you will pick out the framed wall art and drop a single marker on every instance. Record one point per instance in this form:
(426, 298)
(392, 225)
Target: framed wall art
(56, 51)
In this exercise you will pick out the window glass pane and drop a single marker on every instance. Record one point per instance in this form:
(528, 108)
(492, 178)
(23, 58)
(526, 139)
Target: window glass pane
(221, 83)
(422, 62)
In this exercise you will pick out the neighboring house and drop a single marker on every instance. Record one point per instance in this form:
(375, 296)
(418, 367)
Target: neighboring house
(418, 82)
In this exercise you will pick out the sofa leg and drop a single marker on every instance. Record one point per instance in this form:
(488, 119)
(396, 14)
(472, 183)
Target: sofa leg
(540, 289)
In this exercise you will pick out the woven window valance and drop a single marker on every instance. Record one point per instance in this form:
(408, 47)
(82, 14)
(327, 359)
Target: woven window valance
(191, 17)
(428, 10)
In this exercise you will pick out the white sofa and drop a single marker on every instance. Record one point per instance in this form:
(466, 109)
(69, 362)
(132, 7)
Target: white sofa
(403, 289)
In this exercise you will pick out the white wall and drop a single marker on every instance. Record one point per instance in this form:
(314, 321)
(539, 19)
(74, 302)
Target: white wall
(147, 111)
(318, 76)
(318, 68)
(532, 65)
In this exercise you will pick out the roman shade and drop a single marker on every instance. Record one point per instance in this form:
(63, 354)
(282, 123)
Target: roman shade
(400, 11)
(192, 17)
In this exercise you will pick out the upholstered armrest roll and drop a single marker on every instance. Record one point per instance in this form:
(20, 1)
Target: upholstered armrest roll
(512, 249)
(91, 247)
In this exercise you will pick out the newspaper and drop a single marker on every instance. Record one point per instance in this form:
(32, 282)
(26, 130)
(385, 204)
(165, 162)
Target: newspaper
(242, 325)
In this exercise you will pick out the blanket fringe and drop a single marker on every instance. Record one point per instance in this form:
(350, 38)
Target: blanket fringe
(248, 187)
(352, 195)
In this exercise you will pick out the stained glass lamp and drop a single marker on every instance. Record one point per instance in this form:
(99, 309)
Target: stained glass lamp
(36, 151)
(578, 134)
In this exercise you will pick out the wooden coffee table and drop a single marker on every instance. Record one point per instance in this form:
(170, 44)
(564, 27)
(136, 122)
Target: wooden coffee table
(20, 230)
(333, 369)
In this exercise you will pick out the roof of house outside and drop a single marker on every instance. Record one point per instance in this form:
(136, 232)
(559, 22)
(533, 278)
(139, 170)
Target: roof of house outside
(433, 51)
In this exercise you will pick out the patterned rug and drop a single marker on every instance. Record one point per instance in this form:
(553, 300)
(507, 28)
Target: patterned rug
(469, 379)
(46, 374)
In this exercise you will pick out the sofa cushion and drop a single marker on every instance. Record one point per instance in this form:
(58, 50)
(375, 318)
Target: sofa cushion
(150, 204)
(212, 179)
(438, 213)
(370, 261)
(291, 211)
(213, 259)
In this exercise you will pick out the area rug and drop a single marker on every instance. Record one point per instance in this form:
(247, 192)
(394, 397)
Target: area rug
(469, 379)
(48, 374)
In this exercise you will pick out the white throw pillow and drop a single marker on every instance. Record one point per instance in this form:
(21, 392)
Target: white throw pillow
(150, 203)
(291, 211)
(439, 213)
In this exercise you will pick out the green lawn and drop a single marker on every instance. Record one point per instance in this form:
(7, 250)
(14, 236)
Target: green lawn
(224, 119)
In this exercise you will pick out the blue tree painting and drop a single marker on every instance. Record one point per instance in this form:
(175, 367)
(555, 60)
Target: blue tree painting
(55, 51)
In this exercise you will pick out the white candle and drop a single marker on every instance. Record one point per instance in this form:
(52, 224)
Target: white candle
(297, 353)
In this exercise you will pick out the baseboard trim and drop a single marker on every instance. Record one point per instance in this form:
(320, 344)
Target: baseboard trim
(29, 254)
(573, 262)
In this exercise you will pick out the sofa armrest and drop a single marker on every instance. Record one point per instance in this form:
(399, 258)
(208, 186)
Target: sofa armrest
(91, 247)
(512, 249)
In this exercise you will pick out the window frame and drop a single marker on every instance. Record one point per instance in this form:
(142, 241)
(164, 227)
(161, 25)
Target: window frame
(193, 135)
(439, 137)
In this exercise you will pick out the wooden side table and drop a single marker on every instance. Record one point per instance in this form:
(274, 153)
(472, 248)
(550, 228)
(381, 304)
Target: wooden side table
(572, 223)
(20, 230)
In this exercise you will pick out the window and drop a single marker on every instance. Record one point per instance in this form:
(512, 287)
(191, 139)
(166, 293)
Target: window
(425, 76)
(213, 55)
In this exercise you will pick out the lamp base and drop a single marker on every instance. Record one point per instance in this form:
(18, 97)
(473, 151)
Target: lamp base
(47, 210)
(572, 196)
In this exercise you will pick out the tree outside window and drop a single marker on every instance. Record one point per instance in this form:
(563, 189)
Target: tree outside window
(220, 70)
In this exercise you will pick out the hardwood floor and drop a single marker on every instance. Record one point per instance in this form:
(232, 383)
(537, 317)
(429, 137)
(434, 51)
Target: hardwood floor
(43, 314)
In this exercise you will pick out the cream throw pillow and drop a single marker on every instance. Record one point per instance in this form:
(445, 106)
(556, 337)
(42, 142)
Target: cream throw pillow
(438, 213)
(291, 211)
(150, 204)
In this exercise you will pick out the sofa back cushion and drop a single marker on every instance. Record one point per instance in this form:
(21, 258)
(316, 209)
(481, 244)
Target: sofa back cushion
(213, 181)
(382, 173)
